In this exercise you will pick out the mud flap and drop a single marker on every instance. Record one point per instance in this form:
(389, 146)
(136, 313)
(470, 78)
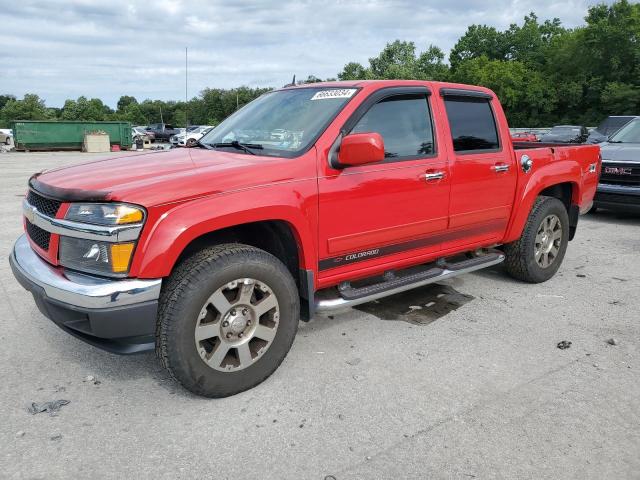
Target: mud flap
(574, 214)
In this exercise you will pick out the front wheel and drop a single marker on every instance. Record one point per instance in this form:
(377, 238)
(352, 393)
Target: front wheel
(191, 142)
(536, 256)
(227, 318)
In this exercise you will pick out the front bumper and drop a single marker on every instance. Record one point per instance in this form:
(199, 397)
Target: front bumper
(617, 197)
(116, 315)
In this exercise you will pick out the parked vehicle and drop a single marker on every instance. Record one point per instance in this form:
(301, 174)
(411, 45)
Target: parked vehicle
(619, 187)
(190, 138)
(608, 127)
(5, 137)
(139, 132)
(162, 131)
(566, 134)
(341, 193)
(524, 137)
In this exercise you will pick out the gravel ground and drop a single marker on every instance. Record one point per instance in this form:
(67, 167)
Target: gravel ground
(476, 388)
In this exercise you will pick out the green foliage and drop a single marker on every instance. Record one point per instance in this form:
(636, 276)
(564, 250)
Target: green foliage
(398, 60)
(525, 94)
(31, 107)
(543, 73)
(85, 109)
(125, 101)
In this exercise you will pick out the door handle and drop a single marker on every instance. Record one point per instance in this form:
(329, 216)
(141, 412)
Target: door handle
(432, 176)
(500, 167)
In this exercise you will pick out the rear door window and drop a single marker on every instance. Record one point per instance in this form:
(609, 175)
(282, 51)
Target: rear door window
(473, 126)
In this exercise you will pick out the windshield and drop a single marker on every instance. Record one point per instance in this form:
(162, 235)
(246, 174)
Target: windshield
(630, 133)
(281, 123)
(611, 125)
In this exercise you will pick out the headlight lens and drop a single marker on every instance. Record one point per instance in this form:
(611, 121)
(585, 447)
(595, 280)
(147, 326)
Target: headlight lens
(102, 258)
(105, 213)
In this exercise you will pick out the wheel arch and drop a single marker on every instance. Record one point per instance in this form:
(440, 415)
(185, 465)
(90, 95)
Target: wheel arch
(565, 188)
(273, 236)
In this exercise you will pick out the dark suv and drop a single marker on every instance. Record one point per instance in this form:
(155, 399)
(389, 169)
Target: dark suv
(566, 134)
(163, 131)
(619, 187)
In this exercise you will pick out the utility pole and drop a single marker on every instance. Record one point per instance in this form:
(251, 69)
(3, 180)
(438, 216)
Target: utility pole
(186, 86)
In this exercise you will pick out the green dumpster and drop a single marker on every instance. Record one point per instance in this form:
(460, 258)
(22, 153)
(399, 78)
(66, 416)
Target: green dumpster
(66, 135)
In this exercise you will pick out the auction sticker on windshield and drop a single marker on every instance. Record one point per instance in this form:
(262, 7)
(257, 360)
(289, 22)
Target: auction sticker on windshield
(334, 93)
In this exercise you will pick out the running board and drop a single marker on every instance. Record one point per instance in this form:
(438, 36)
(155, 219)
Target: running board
(348, 296)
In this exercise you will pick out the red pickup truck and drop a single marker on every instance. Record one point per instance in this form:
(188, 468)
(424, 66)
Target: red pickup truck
(310, 198)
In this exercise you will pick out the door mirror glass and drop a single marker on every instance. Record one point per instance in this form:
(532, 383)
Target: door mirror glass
(361, 149)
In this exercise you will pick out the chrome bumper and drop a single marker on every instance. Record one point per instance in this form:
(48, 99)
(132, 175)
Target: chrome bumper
(79, 290)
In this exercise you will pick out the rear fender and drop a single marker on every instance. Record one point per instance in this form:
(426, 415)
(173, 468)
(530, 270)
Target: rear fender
(552, 172)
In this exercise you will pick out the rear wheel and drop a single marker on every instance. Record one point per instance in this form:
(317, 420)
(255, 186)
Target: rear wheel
(227, 319)
(536, 256)
(191, 142)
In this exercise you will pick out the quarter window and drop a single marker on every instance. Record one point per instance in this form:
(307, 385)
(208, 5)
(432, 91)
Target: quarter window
(473, 126)
(404, 123)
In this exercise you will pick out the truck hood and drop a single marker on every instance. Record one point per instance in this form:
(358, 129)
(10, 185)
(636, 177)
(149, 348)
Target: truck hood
(620, 152)
(155, 178)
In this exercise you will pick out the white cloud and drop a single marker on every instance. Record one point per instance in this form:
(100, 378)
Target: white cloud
(62, 49)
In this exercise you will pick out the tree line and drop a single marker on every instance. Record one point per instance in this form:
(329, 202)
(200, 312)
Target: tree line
(543, 73)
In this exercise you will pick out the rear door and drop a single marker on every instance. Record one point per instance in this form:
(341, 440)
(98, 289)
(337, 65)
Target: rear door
(483, 174)
(392, 210)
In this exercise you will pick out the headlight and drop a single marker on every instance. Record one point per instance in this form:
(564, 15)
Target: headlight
(105, 213)
(102, 258)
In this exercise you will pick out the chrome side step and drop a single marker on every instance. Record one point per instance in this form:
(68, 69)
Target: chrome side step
(347, 296)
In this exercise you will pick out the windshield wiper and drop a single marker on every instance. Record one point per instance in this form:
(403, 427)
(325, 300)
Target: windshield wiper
(245, 147)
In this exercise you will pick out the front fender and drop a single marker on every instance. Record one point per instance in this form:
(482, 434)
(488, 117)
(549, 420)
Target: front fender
(551, 172)
(173, 227)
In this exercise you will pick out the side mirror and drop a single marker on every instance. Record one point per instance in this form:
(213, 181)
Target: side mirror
(361, 149)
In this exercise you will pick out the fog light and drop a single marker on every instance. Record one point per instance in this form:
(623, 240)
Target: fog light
(90, 256)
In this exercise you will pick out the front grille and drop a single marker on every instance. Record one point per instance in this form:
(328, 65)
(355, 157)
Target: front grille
(39, 236)
(627, 174)
(44, 205)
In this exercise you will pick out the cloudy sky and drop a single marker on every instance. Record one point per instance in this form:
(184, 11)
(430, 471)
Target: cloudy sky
(64, 49)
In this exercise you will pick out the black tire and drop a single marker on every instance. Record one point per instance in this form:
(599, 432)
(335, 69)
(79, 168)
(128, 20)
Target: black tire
(520, 255)
(191, 142)
(190, 286)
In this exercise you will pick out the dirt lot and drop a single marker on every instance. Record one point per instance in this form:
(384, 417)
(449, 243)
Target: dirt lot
(473, 386)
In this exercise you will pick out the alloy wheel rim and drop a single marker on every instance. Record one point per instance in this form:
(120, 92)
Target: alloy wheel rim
(548, 240)
(237, 325)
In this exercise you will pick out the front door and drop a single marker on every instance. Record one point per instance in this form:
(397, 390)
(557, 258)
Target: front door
(392, 210)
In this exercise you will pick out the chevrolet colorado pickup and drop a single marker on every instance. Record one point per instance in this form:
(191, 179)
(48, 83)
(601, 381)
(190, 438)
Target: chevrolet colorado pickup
(212, 255)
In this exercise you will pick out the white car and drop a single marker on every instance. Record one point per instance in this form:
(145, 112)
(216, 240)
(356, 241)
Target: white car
(5, 136)
(190, 138)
